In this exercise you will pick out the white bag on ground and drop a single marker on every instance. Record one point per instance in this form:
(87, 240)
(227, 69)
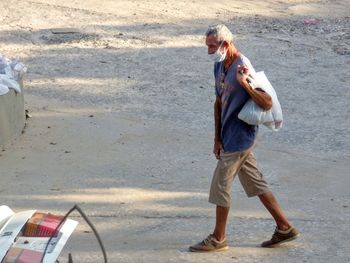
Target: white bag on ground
(252, 114)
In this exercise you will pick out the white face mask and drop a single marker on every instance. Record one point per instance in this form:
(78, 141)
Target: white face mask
(218, 56)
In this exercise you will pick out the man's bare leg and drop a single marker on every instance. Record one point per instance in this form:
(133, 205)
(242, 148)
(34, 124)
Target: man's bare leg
(221, 219)
(271, 204)
(217, 240)
(284, 232)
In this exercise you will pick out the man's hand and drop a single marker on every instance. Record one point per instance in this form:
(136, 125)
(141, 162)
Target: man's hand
(258, 95)
(218, 148)
(242, 73)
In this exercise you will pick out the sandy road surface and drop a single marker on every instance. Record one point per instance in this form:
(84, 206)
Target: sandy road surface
(140, 166)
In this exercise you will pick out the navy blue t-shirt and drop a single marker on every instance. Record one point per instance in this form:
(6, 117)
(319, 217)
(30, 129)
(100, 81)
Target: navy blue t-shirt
(236, 135)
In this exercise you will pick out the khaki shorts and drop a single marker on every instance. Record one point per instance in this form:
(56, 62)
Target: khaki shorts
(242, 163)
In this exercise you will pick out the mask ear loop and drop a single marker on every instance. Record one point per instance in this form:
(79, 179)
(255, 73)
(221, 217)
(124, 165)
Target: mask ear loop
(76, 207)
(220, 46)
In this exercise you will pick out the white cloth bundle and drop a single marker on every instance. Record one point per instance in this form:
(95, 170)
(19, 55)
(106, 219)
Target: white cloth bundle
(11, 72)
(10, 83)
(3, 89)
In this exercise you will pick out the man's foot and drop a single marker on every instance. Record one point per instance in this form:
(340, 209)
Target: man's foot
(210, 244)
(281, 236)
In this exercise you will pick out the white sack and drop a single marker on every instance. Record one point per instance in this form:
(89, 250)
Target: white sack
(254, 115)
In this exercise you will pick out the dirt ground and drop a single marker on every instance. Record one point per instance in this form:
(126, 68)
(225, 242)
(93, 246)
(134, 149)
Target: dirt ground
(121, 94)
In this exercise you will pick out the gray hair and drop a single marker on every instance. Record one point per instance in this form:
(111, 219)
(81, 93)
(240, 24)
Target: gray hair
(220, 32)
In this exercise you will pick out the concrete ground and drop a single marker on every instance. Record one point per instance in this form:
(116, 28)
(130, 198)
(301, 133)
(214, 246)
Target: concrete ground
(122, 125)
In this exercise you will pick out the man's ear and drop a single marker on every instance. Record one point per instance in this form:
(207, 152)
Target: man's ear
(225, 44)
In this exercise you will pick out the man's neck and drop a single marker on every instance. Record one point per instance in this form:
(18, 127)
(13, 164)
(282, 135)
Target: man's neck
(232, 55)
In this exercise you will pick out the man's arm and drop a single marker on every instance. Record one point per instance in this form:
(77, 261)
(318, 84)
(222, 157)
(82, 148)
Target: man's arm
(260, 97)
(217, 121)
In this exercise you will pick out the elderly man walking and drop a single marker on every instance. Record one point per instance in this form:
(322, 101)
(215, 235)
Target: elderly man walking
(234, 142)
